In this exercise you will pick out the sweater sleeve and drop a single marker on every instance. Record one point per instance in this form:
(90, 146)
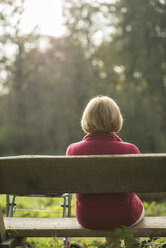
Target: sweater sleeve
(69, 151)
(134, 150)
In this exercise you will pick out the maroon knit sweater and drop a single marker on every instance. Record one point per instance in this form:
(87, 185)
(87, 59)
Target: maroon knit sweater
(98, 211)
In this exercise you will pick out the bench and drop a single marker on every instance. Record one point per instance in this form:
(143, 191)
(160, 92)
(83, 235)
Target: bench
(86, 174)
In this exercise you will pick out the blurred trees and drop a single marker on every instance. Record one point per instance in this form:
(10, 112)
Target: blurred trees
(131, 62)
(117, 49)
(141, 33)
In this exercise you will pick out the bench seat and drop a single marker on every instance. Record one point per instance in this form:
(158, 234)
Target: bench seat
(109, 174)
(69, 227)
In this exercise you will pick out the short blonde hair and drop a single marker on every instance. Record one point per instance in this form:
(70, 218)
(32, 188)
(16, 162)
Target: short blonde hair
(101, 115)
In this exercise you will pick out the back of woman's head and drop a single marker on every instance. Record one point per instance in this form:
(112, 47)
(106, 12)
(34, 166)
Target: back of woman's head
(101, 115)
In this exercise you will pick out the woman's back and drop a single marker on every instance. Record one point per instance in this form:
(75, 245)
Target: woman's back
(105, 210)
(101, 144)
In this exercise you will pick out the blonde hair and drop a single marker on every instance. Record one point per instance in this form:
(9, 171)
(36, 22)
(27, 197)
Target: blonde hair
(101, 115)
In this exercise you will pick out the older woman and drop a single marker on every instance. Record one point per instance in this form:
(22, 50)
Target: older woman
(101, 120)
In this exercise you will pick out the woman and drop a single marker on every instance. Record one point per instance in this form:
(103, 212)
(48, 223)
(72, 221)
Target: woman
(101, 120)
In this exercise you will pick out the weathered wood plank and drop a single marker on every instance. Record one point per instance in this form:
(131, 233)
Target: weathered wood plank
(9, 243)
(120, 173)
(2, 227)
(69, 227)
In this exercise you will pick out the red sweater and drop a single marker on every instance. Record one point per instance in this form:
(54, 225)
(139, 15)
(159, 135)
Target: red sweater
(105, 210)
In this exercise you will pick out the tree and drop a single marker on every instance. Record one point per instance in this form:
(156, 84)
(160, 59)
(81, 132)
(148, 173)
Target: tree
(131, 63)
(14, 83)
(141, 31)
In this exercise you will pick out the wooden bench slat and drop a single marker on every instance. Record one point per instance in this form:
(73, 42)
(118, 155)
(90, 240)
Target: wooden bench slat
(64, 227)
(9, 243)
(2, 227)
(120, 173)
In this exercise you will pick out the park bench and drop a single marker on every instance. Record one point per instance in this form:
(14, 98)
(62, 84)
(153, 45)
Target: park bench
(86, 174)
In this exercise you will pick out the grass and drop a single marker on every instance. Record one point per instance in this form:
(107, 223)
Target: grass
(52, 208)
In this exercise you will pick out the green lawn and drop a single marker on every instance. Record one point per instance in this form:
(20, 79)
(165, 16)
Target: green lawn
(54, 204)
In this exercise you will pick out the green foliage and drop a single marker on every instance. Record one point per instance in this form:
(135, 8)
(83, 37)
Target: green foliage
(43, 242)
(44, 91)
(146, 243)
(124, 233)
(155, 208)
(142, 37)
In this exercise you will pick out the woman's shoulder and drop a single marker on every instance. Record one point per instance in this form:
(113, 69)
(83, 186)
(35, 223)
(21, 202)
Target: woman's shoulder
(131, 148)
(71, 149)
